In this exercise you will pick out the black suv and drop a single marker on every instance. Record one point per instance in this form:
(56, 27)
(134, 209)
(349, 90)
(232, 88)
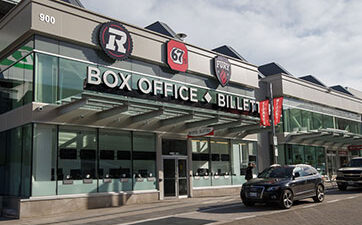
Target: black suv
(283, 185)
(350, 175)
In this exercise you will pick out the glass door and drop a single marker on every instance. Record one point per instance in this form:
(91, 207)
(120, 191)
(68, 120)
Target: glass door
(169, 185)
(182, 177)
(175, 176)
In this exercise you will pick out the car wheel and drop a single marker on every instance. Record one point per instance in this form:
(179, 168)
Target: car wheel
(342, 187)
(286, 200)
(245, 201)
(319, 194)
(248, 203)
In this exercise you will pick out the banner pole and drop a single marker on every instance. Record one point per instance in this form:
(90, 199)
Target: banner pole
(275, 149)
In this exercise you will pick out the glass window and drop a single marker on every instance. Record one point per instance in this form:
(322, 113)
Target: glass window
(310, 155)
(115, 165)
(298, 154)
(16, 84)
(286, 120)
(44, 160)
(46, 78)
(317, 121)
(295, 119)
(174, 147)
(328, 121)
(72, 75)
(201, 162)
(220, 162)
(144, 161)
(321, 160)
(343, 124)
(306, 120)
(77, 160)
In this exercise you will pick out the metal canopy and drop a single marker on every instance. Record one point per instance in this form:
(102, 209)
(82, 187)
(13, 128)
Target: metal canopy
(326, 137)
(103, 110)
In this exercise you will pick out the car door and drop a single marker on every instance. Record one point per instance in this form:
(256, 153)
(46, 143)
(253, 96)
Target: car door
(310, 175)
(298, 184)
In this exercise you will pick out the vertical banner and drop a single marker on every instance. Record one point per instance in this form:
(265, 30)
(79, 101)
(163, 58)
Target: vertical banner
(264, 113)
(277, 103)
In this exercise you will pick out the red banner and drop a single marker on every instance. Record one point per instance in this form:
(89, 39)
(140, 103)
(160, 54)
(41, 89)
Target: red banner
(277, 103)
(355, 147)
(264, 113)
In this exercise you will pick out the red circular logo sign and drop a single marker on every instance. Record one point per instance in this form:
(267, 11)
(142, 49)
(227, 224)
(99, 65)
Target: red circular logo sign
(177, 56)
(115, 40)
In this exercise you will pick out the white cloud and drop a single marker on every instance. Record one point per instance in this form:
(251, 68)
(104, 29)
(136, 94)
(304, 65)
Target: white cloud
(318, 37)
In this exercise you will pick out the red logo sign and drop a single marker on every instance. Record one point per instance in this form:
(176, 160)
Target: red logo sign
(115, 40)
(177, 57)
(277, 103)
(264, 113)
(222, 70)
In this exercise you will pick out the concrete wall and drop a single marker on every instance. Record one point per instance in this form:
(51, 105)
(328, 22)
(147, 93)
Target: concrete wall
(284, 85)
(63, 204)
(222, 191)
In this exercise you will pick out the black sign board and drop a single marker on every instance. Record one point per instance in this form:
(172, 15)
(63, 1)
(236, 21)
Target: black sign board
(115, 40)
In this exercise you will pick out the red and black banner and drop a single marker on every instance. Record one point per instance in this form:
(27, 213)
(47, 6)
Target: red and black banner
(277, 103)
(264, 113)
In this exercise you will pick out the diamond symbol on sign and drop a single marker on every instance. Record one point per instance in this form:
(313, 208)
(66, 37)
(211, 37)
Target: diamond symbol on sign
(207, 97)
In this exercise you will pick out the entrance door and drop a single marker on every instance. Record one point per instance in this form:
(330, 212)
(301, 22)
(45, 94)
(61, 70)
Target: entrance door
(175, 176)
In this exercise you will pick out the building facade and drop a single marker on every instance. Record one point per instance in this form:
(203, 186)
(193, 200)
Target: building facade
(321, 126)
(80, 127)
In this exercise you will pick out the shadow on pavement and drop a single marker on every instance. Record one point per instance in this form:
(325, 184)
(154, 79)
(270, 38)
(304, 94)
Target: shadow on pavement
(350, 190)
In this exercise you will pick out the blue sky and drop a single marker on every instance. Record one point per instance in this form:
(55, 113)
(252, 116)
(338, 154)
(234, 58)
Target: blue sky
(318, 37)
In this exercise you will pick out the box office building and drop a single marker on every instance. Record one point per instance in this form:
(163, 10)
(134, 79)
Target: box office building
(321, 125)
(95, 112)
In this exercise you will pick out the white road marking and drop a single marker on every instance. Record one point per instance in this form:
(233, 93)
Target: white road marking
(245, 217)
(335, 200)
(351, 197)
(309, 206)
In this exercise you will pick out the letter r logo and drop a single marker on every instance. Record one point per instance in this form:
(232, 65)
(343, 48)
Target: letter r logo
(115, 41)
(116, 36)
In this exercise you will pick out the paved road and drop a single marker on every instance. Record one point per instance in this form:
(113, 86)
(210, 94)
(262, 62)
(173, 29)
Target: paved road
(338, 208)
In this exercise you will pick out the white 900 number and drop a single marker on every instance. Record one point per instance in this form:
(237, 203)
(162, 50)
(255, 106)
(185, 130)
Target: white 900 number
(46, 18)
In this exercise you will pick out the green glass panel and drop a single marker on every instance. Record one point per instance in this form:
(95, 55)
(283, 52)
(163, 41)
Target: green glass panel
(46, 78)
(44, 160)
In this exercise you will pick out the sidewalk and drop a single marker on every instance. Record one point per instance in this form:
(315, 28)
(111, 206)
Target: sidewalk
(129, 213)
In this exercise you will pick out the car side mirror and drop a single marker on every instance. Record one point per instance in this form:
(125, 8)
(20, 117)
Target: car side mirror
(296, 174)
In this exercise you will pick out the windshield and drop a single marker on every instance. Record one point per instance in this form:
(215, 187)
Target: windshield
(276, 172)
(355, 163)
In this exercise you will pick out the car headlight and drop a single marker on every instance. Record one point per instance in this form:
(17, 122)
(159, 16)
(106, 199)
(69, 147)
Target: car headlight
(273, 188)
(339, 174)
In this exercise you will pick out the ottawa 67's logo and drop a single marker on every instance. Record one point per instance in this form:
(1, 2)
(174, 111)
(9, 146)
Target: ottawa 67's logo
(115, 41)
(177, 56)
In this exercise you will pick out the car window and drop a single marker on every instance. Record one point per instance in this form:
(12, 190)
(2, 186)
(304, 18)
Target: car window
(276, 172)
(298, 170)
(355, 163)
(308, 171)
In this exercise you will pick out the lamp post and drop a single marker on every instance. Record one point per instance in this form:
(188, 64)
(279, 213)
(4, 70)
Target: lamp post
(274, 139)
